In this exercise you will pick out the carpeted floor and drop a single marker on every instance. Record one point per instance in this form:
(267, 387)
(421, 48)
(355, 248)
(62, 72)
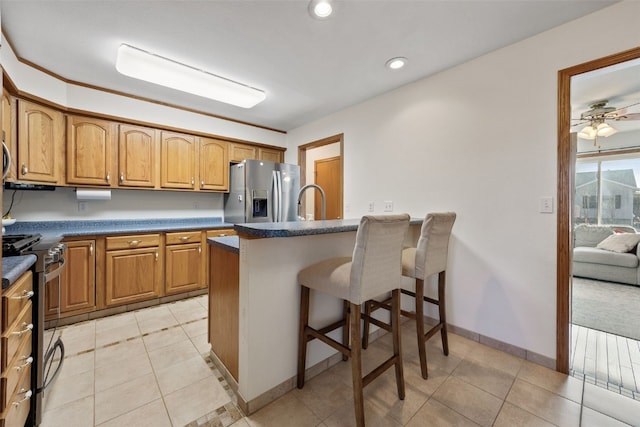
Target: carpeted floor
(606, 306)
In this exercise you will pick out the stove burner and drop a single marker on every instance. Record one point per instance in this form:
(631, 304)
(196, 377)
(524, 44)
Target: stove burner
(16, 244)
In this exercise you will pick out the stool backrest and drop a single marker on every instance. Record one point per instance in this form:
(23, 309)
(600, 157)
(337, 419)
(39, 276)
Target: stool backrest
(433, 245)
(377, 256)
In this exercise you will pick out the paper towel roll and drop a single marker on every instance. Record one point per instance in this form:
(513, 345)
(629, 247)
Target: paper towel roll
(92, 194)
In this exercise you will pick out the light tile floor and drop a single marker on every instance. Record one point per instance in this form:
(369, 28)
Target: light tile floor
(149, 368)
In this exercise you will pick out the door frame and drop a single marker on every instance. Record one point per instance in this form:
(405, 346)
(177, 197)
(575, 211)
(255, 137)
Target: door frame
(302, 161)
(565, 199)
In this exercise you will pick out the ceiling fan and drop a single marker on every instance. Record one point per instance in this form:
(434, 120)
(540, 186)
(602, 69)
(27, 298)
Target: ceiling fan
(596, 117)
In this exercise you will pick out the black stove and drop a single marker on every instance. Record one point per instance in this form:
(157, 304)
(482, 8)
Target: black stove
(17, 244)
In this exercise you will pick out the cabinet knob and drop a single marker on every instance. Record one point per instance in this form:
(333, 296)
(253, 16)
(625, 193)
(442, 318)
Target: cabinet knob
(200, 250)
(121, 177)
(193, 181)
(24, 169)
(202, 183)
(156, 256)
(91, 249)
(25, 295)
(108, 178)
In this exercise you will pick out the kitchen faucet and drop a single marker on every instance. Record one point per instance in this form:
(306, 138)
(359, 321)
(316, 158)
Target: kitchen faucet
(305, 188)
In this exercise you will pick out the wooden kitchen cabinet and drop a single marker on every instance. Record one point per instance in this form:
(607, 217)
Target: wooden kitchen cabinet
(90, 148)
(239, 152)
(77, 282)
(178, 160)
(184, 262)
(214, 164)
(17, 355)
(138, 155)
(9, 134)
(40, 144)
(133, 269)
(276, 156)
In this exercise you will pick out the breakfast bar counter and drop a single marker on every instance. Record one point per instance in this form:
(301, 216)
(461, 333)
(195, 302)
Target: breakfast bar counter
(265, 301)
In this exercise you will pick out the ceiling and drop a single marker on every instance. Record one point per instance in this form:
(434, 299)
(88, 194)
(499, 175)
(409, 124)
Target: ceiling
(308, 68)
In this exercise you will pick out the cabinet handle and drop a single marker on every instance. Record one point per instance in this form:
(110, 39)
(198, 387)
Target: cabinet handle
(27, 396)
(26, 329)
(90, 248)
(27, 361)
(222, 235)
(156, 256)
(184, 238)
(25, 169)
(25, 295)
(202, 183)
(121, 177)
(134, 242)
(193, 181)
(108, 178)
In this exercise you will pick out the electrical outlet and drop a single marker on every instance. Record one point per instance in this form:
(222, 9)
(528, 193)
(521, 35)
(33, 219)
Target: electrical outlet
(388, 206)
(196, 205)
(82, 206)
(372, 206)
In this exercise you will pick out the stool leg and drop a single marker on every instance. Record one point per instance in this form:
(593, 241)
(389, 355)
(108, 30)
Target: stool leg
(302, 335)
(442, 311)
(346, 315)
(422, 351)
(365, 329)
(356, 364)
(397, 340)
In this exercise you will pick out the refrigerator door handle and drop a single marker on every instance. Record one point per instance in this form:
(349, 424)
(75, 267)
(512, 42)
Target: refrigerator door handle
(280, 195)
(275, 201)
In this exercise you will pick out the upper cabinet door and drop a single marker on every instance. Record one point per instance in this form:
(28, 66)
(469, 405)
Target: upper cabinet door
(178, 162)
(240, 152)
(9, 132)
(40, 143)
(214, 164)
(90, 145)
(138, 153)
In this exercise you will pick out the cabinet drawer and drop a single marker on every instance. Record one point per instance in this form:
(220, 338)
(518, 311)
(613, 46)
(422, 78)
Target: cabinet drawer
(221, 232)
(17, 410)
(183, 237)
(15, 299)
(12, 338)
(133, 242)
(14, 371)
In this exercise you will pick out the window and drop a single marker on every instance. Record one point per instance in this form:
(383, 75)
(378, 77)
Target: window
(607, 191)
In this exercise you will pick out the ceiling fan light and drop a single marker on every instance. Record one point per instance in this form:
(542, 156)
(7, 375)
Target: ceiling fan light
(605, 130)
(588, 132)
(320, 9)
(140, 64)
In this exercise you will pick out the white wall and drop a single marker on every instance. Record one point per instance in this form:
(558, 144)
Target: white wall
(480, 139)
(61, 204)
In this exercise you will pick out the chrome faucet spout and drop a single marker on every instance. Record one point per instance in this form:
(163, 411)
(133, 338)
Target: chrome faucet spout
(322, 198)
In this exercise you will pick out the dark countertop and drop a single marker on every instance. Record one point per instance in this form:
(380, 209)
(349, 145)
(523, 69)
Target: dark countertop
(302, 228)
(228, 243)
(116, 226)
(15, 266)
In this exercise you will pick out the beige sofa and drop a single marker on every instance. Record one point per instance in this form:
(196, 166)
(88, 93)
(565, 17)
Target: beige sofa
(598, 255)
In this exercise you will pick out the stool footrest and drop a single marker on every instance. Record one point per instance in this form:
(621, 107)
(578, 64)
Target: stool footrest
(426, 298)
(379, 370)
(327, 340)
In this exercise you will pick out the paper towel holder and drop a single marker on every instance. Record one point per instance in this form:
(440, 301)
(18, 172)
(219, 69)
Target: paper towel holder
(87, 194)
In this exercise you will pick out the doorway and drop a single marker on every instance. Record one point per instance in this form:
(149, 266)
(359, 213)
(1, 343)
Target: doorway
(321, 163)
(566, 177)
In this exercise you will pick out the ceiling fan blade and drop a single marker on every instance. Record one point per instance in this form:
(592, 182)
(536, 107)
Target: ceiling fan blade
(629, 116)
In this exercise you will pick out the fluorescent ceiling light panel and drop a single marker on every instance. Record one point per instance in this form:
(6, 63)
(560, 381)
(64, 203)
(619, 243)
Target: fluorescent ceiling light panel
(139, 64)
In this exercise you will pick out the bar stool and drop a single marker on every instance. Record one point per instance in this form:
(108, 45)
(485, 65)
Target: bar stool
(429, 257)
(373, 270)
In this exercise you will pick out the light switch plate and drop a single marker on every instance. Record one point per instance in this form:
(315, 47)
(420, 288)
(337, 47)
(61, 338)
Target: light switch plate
(546, 205)
(388, 206)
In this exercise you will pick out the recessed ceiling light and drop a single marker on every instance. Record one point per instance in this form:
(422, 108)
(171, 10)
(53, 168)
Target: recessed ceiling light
(396, 63)
(320, 9)
(140, 64)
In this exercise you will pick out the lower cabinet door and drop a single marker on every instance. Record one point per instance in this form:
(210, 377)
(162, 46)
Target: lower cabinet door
(133, 275)
(184, 269)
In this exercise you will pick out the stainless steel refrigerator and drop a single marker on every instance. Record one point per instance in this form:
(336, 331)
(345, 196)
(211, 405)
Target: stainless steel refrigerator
(262, 191)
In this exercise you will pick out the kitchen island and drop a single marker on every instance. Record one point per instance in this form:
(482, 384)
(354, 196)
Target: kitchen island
(260, 360)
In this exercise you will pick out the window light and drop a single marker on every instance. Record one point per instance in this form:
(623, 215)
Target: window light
(140, 64)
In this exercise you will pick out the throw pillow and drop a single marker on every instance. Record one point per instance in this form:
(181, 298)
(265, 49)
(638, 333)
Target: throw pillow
(622, 242)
